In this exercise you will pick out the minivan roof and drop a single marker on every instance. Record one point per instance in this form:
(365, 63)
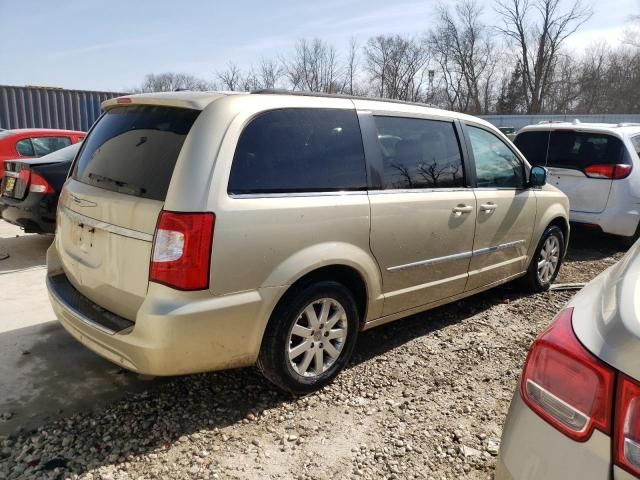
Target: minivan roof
(200, 100)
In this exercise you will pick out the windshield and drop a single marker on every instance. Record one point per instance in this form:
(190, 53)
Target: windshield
(134, 149)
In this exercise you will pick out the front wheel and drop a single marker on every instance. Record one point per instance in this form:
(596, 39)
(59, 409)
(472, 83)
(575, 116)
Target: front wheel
(546, 262)
(310, 337)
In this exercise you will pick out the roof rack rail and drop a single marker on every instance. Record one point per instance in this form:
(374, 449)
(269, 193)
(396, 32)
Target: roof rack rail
(283, 91)
(543, 122)
(628, 124)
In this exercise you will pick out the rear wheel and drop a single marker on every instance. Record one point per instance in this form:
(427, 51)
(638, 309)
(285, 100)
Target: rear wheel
(546, 261)
(310, 337)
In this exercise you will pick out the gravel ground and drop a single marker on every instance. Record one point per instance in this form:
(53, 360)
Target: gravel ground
(424, 397)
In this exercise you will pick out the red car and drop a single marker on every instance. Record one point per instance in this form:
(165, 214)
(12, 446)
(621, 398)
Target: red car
(34, 142)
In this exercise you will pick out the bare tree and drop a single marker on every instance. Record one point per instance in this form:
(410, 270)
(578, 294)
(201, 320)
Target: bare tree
(231, 78)
(632, 34)
(313, 67)
(397, 66)
(539, 29)
(593, 79)
(465, 52)
(352, 67)
(269, 72)
(170, 82)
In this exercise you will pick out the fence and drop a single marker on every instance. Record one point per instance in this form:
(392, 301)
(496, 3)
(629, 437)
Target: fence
(519, 121)
(42, 107)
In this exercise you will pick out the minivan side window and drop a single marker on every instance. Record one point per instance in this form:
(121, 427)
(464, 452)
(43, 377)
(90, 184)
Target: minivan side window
(577, 150)
(295, 150)
(496, 164)
(419, 153)
(533, 146)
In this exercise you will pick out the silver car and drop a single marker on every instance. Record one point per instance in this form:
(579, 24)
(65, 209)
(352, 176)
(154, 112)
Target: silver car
(576, 413)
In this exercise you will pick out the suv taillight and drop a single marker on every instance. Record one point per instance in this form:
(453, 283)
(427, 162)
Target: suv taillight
(627, 425)
(182, 250)
(613, 172)
(39, 184)
(565, 384)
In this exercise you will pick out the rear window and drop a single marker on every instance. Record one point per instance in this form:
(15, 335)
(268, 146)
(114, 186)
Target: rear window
(45, 145)
(533, 146)
(134, 149)
(578, 150)
(24, 148)
(299, 150)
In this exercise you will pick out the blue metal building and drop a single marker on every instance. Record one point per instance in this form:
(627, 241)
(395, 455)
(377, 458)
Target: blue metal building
(45, 107)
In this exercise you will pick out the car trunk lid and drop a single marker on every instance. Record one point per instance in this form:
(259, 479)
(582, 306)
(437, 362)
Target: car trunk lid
(571, 154)
(109, 208)
(585, 194)
(22, 172)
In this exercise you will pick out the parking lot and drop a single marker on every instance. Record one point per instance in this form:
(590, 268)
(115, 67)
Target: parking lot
(424, 397)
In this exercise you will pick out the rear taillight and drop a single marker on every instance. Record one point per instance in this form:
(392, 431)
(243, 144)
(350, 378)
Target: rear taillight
(565, 384)
(627, 425)
(613, 172)
(182, 250)
(39, 184)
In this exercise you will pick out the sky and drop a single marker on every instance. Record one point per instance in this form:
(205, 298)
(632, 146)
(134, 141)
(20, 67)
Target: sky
(111, 44)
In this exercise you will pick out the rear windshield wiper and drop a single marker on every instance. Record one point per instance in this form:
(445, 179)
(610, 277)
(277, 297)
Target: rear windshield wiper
(133, 189)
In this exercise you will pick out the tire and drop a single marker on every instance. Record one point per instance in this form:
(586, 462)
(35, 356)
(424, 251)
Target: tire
(303, 372)
(537, 280)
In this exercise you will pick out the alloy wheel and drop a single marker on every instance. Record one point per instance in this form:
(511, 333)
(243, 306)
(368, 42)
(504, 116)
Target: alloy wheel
(317, 337)
(548, 259)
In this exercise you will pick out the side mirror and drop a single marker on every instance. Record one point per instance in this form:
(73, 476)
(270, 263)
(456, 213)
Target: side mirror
(538, 176)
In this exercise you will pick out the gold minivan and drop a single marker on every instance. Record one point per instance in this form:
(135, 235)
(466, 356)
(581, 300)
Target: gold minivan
(206, 231)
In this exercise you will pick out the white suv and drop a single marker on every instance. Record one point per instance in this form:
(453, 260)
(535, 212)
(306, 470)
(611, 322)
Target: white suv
(596, 166)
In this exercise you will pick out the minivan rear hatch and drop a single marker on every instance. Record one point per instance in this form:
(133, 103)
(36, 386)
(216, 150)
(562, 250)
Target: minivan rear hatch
(109, 207)
(581, 164)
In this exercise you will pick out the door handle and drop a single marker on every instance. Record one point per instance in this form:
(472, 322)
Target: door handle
(459, 210)
(488, 207)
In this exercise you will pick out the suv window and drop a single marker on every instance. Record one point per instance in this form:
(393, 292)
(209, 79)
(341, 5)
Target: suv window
(25, 148)
(419, 153)
(134, 149)
(496, 164)
(46, 145)
(299, 150)
(533, 146)
(577, 150)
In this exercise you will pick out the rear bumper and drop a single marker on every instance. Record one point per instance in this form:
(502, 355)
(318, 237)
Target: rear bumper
(175, 332)
(532, 449)
(36, 213)
(617, 221)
